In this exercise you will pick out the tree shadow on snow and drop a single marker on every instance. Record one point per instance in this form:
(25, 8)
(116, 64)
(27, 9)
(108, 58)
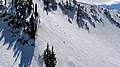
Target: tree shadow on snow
(80, 23)
(23, 51)
(113, 21)
(69, 13)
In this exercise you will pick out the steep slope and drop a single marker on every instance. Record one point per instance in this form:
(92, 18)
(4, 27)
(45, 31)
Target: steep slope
(74, 46)
(98, 48)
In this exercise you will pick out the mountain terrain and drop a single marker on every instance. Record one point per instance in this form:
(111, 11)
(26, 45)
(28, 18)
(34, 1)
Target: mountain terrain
(82, 35)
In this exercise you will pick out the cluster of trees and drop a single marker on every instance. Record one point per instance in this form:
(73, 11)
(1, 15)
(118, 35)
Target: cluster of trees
(23, 7)
(106, 12)
(49, 57)
(31, 28)
(50, 4)
(23, 10)
(69, 5)
(80, 15)
(79, 12)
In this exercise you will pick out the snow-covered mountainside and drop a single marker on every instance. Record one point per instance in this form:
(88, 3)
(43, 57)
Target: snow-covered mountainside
(113, 6)
(88, 39)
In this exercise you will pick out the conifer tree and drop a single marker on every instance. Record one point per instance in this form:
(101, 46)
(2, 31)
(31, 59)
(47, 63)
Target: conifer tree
(67, 3)
(78, 12)
(5, 2)
(12, 2)
(16, 1)
(31, 19)
(53, 59)
(54, 4)
(47, 4)
(36, 14)
(30, 3)
(49, 57)
(74, 1)
(46, 56)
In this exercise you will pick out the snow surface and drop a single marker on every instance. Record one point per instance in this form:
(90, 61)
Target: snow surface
(73, 46)
(100, 2)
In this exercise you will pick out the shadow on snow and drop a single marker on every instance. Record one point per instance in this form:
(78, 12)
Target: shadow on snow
(24, 52)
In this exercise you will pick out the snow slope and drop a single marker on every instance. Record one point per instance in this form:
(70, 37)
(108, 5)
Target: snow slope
(73, 46)
(113, 6)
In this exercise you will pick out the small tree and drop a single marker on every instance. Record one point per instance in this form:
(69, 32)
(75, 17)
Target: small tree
(36, 13)
(5, 2)
(29, 5)
(54, 4)
(49, 57)
(52, 59)
(67, 3)
(47, 53)
(32, 20)
(74, 1)
(12, 2)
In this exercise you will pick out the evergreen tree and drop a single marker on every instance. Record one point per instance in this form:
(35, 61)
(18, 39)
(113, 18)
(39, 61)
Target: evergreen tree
(16, 1)
(78, 12)
(36, 14)
(54, 4)
(5, 2)
(67, 3)
(74, 1)
(12, 2)
(30, 3)
(46, 56)
(47, 4)
(86, 26)
(23, 11)
(49, 57)
(32, 20)
(52, 59)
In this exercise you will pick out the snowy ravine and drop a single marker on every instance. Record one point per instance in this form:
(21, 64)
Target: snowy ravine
(74, 46)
